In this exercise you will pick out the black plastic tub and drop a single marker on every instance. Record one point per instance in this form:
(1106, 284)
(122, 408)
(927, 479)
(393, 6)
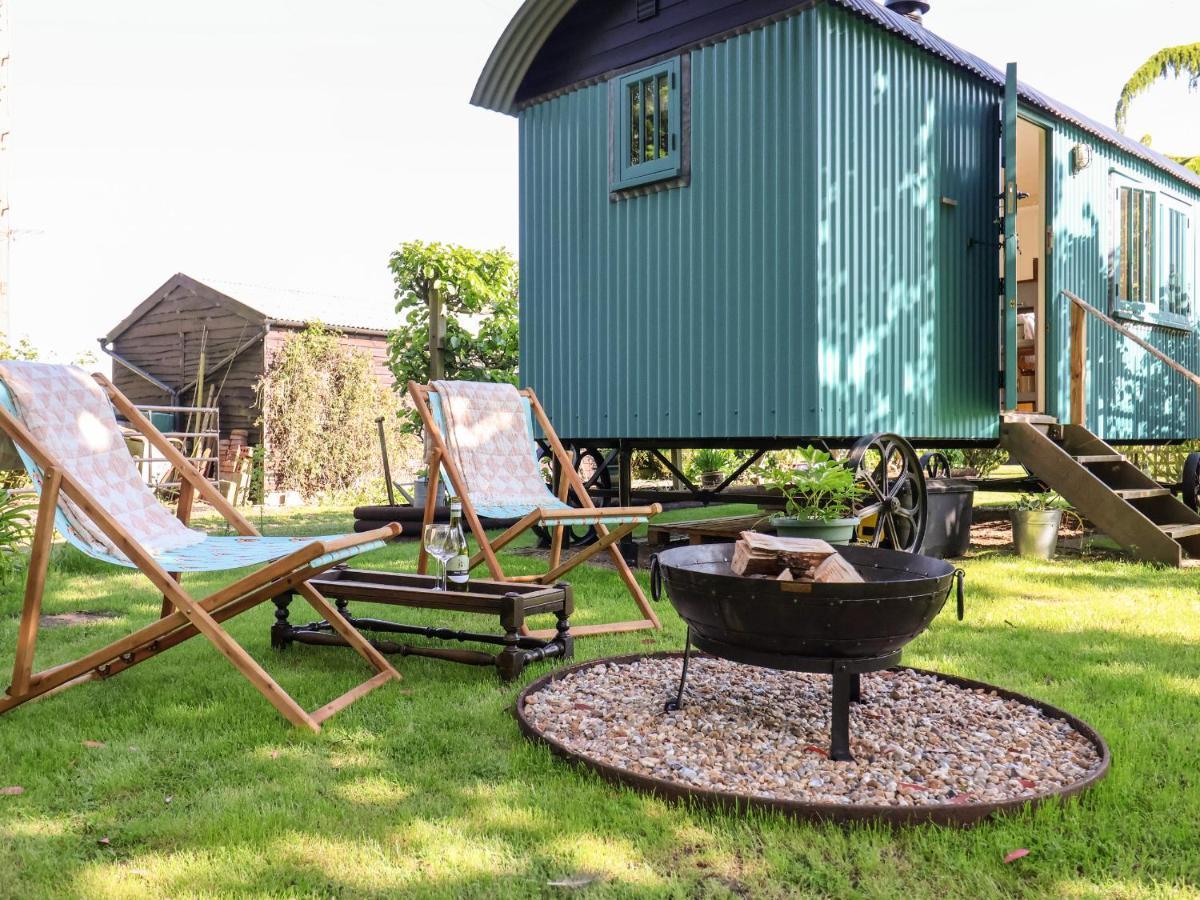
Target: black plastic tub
(948, 517)
(761, 617)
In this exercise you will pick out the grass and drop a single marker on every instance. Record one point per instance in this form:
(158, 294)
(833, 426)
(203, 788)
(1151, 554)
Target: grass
(427, 789)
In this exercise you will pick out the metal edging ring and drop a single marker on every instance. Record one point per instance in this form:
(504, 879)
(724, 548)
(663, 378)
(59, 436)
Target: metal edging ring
(958, 815)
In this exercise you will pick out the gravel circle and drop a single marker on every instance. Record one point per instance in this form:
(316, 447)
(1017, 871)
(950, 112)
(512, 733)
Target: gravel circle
(917, 740)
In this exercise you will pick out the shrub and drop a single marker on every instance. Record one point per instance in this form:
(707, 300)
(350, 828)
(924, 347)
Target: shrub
(319, 403)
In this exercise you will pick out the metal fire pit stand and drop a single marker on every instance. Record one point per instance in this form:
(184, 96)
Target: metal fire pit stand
(845, 671)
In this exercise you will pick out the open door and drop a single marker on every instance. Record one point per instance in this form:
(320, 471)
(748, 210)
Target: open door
(1009, 162)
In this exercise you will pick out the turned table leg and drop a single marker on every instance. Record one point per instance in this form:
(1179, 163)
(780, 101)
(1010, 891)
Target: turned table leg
(511, 660)
(281, 631)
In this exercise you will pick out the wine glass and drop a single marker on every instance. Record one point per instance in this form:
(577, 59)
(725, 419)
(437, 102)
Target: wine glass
(439, 544)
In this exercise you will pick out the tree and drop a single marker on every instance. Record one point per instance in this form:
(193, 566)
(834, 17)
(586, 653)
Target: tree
(1171, 62)
(22, 349)
(478, 291)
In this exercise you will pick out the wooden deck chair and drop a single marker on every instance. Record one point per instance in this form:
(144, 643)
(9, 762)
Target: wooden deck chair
(63, 425)
(481, 440)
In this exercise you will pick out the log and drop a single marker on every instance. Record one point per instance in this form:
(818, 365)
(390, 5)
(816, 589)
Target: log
(765, 554)
(835, 569)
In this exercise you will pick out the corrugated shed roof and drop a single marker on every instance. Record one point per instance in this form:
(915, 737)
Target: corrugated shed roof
(534, 22)
(298, 307)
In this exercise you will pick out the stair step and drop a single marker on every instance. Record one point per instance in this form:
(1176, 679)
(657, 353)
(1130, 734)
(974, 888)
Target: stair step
(1179, 531)
(1140, 493)
(1100, 458)
(1030, 418)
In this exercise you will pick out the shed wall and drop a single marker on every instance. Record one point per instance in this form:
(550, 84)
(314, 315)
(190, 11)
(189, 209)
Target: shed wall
(1131, 395)
(689, 312)
(166, 342)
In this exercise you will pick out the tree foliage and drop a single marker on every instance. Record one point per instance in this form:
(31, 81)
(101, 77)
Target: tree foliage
(1171, 62)
(1189, 162)
(319, 402)
(478, 289)
(22, 349)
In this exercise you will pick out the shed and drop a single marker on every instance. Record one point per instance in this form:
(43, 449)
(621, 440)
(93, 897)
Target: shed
(776, 221)
(155, 348)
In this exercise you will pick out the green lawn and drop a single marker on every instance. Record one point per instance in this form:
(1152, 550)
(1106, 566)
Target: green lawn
(427, 789)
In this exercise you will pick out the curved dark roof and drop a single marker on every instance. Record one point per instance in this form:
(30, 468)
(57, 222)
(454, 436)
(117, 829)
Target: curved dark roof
(514, 53)
(536, 20)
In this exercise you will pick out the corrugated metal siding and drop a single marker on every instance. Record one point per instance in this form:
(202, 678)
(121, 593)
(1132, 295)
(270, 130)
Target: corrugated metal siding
(689, 312)
(908, 310)
(776, 298)
(1131, 395)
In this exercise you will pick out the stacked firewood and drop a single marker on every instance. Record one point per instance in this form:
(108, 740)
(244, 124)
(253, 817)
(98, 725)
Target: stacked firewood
(790, 559)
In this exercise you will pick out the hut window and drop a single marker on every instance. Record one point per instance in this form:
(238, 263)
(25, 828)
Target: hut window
(1177, 280)
(1134, 264)
(646, 108)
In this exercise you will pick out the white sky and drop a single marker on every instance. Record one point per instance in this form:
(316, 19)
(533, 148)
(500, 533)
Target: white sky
(295, 144)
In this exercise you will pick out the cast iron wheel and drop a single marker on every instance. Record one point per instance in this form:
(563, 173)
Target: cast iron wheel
(887, 468)
(1191, 481)
(935, 464)
(589, 463)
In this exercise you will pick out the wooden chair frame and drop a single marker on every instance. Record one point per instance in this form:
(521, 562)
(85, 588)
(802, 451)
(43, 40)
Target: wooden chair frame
(182, 615)
(569, 483)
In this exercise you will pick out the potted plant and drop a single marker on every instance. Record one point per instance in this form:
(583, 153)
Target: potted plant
(711, 465)
(818, 494)
(1036, 519)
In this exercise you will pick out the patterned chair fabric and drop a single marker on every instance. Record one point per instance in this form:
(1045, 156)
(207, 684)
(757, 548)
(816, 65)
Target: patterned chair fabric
(70, 415)
(488, 429)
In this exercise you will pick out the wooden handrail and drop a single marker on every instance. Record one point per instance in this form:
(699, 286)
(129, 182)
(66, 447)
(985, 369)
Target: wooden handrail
(1080, 309)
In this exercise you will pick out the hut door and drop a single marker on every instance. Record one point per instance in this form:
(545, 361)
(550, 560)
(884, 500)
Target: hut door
(1009, 202)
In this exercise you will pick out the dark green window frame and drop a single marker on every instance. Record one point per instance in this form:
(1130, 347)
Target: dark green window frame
(1177, 282)
(647, 112)
(1151, 277)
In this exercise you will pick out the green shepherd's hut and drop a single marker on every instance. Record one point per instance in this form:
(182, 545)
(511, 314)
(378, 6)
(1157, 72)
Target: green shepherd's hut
(766, 222)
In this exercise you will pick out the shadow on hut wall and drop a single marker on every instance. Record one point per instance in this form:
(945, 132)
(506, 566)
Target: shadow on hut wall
(1131, 396)
(906, 250)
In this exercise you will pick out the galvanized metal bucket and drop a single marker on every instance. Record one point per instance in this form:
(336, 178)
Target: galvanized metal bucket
(1035, 532)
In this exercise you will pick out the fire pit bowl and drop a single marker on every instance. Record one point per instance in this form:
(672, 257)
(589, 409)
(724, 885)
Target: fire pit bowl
(841, 629)
(759, 620)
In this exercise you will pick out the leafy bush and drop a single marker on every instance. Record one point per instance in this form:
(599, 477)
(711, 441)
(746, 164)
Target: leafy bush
(320, 400)
(478, 290)
(818, 487)
(983, 460)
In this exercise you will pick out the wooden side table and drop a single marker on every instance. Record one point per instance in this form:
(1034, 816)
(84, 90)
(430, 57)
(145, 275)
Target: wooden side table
(510, 602)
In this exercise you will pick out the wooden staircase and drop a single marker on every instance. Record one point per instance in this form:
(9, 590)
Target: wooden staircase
(1123, 502)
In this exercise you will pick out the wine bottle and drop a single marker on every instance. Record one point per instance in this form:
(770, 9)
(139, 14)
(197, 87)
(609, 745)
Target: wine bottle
(459, 565)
